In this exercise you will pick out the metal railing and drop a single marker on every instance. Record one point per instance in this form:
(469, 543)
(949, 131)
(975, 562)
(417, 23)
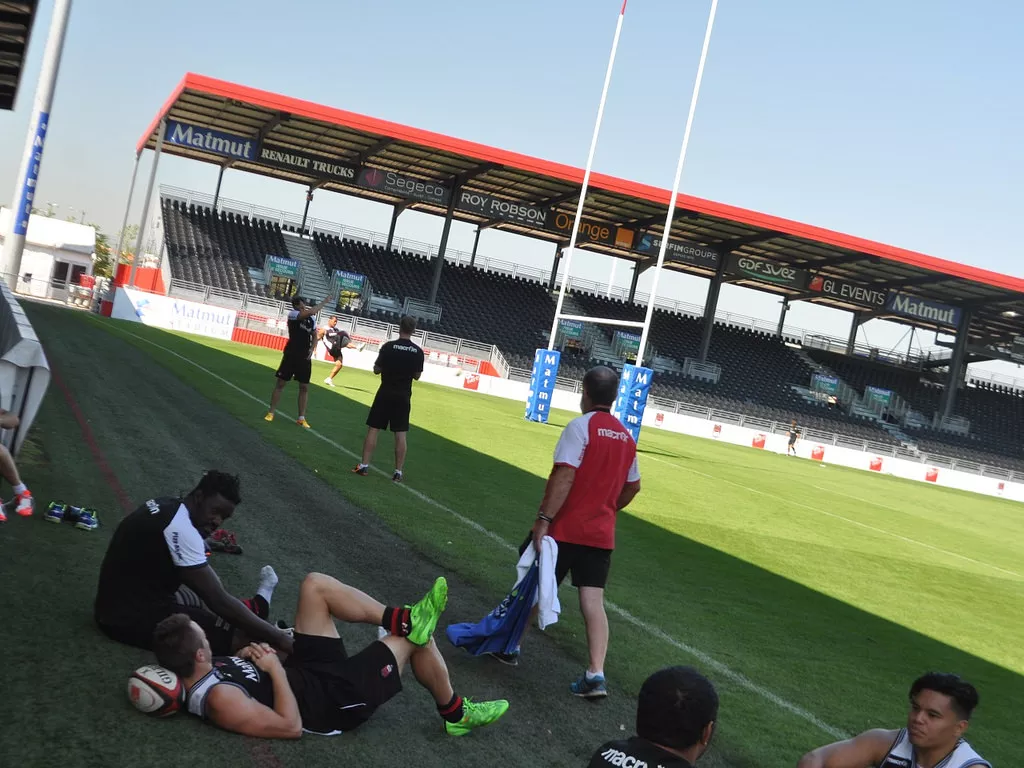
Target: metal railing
(543, 276)
(991, 377)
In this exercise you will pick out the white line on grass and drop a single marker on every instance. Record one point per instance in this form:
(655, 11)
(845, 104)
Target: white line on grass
(834, 515)
(650, 629)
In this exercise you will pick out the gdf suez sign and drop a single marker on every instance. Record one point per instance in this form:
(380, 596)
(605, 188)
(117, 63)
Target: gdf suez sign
(766, 271)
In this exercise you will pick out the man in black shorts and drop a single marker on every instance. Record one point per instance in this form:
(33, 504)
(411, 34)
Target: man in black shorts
(336, 339)
(297, 360)
(794, 433)
(319, 688)
(675, 720)
(398, 364)
(156, 565)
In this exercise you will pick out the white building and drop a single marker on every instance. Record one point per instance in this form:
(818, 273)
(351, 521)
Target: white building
(57, 253)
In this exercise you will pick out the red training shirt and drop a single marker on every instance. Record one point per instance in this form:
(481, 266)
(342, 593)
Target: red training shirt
(603, 454)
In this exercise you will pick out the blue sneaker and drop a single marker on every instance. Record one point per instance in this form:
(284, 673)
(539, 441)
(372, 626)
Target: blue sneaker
(589, 688)
(55, 512)
(88, 519)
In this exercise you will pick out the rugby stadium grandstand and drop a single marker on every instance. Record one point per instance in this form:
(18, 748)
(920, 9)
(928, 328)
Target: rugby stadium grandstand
(484, 315)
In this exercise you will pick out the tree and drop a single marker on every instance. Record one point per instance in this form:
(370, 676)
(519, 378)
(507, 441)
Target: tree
(127, 236)
(104, 265)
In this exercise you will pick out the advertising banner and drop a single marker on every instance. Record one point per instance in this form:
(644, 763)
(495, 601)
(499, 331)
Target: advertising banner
(208, 140)
(571, 329)
(634, 389)
(766, 271)
(823, 383)
(542, 384)
(173, 314)
(923, 309)
(855, 293)
(27, 194)
(503, 210)
(679, 251)
(878, 395)
(282, 266)
(347, 286)
(306, 164)
(392, 183)
(627, 343)
(591, 231)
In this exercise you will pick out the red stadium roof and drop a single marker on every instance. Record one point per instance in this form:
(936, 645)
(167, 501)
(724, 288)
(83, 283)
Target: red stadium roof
(617, 208)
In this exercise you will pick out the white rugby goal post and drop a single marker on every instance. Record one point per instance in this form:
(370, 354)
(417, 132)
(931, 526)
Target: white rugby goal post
(645, 325)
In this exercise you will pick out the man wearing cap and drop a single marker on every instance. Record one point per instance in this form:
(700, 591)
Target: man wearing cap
(297, 360)
(675, 720)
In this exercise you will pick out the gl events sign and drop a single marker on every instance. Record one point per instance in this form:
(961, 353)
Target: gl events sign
(173, 314)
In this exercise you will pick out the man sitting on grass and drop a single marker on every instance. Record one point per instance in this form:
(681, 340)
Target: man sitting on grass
(22, 502)
(319, 688)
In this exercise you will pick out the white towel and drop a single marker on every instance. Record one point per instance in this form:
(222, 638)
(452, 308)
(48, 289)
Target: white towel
(547, 594)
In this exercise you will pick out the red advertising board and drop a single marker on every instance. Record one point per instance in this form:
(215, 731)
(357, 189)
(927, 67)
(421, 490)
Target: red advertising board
(932, 475)
(818, 452)
(758, 441)
(876, 464)
(471, 381)
(717, 431)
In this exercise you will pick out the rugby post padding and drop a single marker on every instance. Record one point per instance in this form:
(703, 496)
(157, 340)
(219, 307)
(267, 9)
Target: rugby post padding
(24, 369)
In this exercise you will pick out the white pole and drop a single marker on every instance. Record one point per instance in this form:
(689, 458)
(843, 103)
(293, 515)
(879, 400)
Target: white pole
(586, 179)
(28, 176)
(675, 185)
(124, 221)
(145, 205)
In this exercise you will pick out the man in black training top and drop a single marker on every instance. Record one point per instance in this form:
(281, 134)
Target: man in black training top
(156, 566)
(297, 360)
(794, 433)
(336, 339)
(398, 364)
(675, 719)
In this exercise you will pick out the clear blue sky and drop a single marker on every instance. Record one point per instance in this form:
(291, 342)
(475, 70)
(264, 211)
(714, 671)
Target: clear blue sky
(896, 121)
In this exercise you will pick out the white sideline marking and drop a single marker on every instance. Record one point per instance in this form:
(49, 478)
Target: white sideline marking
(704, 658)
(834, 515)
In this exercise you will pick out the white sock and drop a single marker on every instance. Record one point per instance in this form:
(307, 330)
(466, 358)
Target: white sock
(268, 580)
(591, 676)
(398, 472)
(363, 466)
(20, 488)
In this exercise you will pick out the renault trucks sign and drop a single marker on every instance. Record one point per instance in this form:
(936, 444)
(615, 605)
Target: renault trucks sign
(923, 309)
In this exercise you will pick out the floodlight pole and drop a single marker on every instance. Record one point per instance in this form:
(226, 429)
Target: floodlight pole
(32, 157)
(162, 128)
(124, 221)
(675, 185)
(586, 180)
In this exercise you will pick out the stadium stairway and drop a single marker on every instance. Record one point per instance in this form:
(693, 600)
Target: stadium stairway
(314, 283)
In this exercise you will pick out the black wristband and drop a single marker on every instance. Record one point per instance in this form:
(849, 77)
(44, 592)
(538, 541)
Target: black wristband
(545, 518)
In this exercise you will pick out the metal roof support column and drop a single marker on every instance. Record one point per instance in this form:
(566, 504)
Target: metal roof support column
(554, 265)
(851, 342)
(710, 307)
(395, 213)
(782, 316)
(476, 242)
(124, 223)
(636, 278)
(305, 212)
(220, 178)
(436, 283)
(956, 365)
(162, 129)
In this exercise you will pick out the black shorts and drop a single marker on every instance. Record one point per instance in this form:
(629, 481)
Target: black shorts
(298, 368)
(589, 565)
(218, 632)
(335, 353)
(336, 692)
(792, 439)
(390, 410)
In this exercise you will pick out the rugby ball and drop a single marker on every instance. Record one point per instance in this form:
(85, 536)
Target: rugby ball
(155, 691)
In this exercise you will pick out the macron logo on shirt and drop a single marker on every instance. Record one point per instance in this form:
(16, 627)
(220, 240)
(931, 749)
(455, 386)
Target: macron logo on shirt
(613, 434)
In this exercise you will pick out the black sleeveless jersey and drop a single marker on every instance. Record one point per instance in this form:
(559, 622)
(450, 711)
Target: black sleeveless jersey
(231, 670)
(301, 336)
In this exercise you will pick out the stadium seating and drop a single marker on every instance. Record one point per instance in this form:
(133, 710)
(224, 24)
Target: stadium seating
(218, 249)
(760, 376)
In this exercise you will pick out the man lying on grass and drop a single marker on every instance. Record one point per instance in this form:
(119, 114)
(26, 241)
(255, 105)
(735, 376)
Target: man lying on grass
(319, 688)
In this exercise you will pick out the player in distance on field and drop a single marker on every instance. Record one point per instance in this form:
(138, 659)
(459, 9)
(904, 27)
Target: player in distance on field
(319, 688)
(675, 720)
(794, 433)
(22, 502)
(595, 474)
(156, 565)
(399, 363)
(297, 359)
(941, 706)
(336, 339)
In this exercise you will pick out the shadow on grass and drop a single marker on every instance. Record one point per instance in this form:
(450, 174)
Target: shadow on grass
(848, 667)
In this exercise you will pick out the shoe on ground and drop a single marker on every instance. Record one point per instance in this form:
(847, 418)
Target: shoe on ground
(508, 659)
(424, 615)
(476, 715)
(88, 519)
(396, 477)
(223, 541)
(269, 417)
(329, 381)
(586, 688)
(360, 470)
(3, 515)
(303, 423)
(24, 504)
(56, 512)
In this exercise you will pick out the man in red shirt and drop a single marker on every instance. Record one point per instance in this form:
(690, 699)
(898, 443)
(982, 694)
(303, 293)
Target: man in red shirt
(595, 474)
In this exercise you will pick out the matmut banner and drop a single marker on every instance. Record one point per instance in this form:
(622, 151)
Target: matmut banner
(173, 314)
(634, 389)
